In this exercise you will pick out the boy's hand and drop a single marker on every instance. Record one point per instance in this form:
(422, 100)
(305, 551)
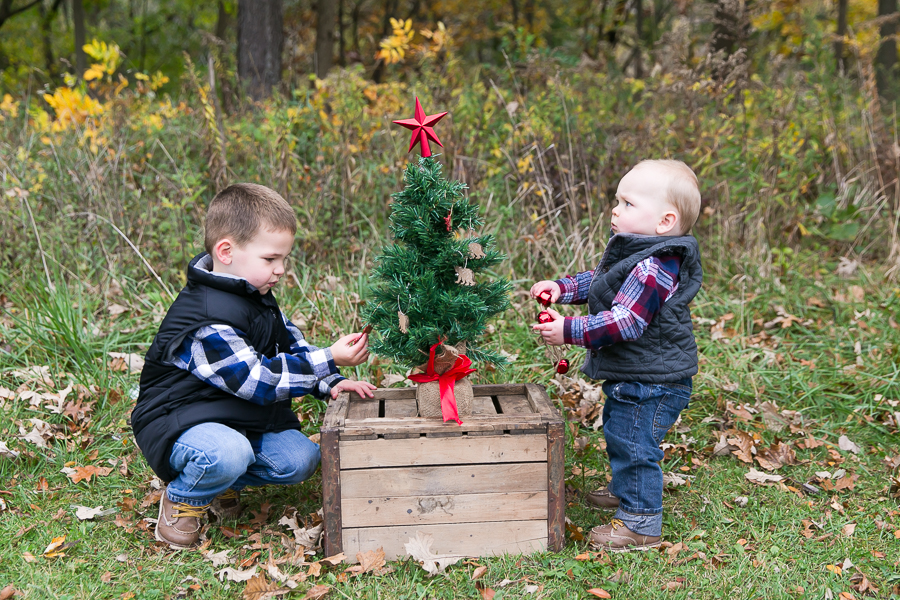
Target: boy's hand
(363, 388)
(552, 332)
(546, 286)
(351, 350)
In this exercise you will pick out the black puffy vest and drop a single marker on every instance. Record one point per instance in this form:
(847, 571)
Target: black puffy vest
(666, 352)
(172, 400)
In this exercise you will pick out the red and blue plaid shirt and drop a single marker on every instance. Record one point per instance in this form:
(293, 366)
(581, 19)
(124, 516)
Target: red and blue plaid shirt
(642, 294)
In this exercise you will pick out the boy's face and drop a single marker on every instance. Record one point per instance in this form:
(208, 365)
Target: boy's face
(260, 261)
(642, 206)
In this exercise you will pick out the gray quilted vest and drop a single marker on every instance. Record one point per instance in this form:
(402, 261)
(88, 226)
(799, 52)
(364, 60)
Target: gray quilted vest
(666, 352)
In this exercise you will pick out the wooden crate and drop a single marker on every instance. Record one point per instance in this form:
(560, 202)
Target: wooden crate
(491, 486)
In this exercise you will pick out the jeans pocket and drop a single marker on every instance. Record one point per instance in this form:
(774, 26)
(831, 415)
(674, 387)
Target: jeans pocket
(673, 401)
(630, 392)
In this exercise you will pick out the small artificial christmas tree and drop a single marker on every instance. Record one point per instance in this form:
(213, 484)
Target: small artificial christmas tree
(430, 301)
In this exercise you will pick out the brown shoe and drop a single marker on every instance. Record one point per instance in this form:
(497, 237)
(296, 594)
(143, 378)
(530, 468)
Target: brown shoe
(603, 499)
(616, 537)
(227, 505)
(179, 523)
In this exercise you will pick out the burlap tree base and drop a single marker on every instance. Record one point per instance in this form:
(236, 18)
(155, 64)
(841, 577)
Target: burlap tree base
(428, 395)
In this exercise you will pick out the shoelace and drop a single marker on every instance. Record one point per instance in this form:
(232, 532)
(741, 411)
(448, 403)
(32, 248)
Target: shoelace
(186, 510)
(229, 494)
(616, 523)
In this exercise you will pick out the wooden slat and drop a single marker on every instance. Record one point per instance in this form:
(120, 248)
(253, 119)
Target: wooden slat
(395, 393)
(556, 498)
(362, 408)
(336, 411)
(461, 508)
(483, 405)
(436, 481)
(436, 422)
(446, 451)
(464, 539)
(538, 397)
(515, 405)
(404, 407)
(503, 389)
(331, 490)
(437, 426)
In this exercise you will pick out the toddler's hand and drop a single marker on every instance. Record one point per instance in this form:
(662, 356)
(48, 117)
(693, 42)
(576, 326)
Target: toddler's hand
(546, 286)
(552, 332)
(351, 350)
(363, 388)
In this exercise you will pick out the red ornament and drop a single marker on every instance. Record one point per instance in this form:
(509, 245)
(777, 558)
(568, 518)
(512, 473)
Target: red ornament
(545, 317)
(562, 367)
(448, 218)
(421, 127)
(544, 298)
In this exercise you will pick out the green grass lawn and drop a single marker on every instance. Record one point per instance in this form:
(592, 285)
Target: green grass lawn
(789, 365)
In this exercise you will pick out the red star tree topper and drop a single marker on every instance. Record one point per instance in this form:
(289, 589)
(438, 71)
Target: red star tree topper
(421, 127)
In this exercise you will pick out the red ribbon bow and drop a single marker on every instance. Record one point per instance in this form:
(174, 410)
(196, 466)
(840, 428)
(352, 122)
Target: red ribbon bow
(446, 380)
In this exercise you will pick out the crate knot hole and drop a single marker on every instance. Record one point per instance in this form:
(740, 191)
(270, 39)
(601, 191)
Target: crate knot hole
(430, 505)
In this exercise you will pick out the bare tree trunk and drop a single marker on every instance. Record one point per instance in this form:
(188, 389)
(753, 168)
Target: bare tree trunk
(390, 7)
(639, 39)
(259, 44)
(886, 59)
(7, 10)
(841, 32)
(222, 21)
(78, 25)
(325, 37)
(342, 55)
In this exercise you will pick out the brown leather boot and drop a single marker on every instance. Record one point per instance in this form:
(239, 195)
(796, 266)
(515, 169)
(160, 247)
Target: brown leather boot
(227, 505)
(603, 499)
(616, 537)
(179, 523)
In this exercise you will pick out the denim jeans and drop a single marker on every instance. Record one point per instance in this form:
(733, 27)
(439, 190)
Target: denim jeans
(210, 458)
(636, 417)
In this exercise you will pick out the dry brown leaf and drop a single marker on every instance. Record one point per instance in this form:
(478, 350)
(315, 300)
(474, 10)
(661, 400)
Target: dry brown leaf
(479, 572)
(743, 441)
(858, 293)
(217, 558)
(335, 560)
(599, 592)
(315, 569)
(486, 592)
(260, 518)
(760, 477)
(776, 456)
(259, 589)
(369, 562)
(125, 361)
(846, 445)
(848, 529)
(316, 592)
(85, 473)
(7, 592)
(236, 574)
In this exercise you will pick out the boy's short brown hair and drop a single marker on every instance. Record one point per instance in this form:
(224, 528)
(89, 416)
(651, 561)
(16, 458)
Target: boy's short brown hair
(683, 191)
(240, 210)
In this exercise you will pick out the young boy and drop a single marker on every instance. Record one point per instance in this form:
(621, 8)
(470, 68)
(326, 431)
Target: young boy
(214, 410)
(639, 339)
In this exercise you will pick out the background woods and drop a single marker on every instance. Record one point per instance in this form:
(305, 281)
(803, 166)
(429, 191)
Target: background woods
(120, 119)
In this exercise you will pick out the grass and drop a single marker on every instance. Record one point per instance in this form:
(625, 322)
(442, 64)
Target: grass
(837, 365)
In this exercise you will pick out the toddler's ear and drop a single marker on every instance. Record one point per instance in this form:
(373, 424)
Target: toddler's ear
(222, 251)
(667, 223)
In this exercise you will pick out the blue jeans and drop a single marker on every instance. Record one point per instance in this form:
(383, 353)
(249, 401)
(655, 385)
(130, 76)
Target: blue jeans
(210, 458)
(636, 417)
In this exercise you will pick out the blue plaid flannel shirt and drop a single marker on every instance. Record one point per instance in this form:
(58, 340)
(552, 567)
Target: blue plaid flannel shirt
(221, 356)
(649, 284)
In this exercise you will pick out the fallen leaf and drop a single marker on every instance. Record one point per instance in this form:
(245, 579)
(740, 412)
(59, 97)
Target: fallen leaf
(115, 310)
(846, 445)
(316, 592)
(5, 451)
(84, 512)
(315, 569)
(858, 293)
(599, 592)
(369, 562)
(479, 572)
(335, 560)
(235, 574)
(125, 361)
(85, 473)
(8, 592)
(848, 529)
(760, 477)
(776, 456)
(486, 592)
(392, 378)
(260, 518)
(217, 558)
(744, 443)
(259, 589)
(420, 549)
(106, 577)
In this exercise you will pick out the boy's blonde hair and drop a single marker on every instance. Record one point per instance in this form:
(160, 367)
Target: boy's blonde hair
(240, 210)
(683, 191)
